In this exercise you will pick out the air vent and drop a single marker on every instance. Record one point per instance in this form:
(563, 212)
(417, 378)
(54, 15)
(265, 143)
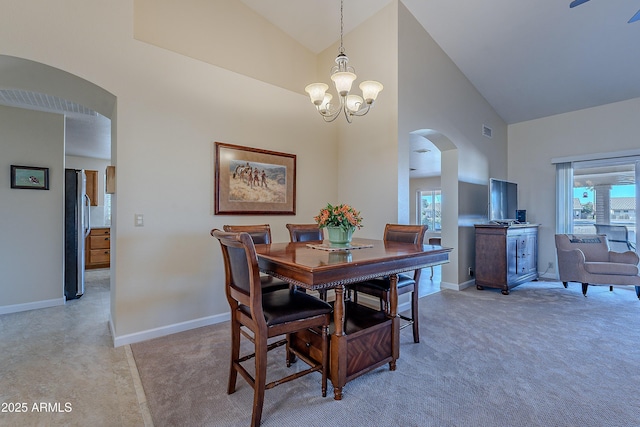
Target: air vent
(422, 150)
(487, 131)
(40, 101)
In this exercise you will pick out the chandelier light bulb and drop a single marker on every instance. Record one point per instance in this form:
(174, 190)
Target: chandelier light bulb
(354, 102)
(316, 92)
(325, 106)
(343, 81)
(370, 90)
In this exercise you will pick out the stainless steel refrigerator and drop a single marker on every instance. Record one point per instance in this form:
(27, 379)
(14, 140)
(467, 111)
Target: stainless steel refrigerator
(76, 229)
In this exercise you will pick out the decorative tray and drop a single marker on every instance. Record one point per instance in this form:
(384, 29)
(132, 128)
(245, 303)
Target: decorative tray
(328, 247)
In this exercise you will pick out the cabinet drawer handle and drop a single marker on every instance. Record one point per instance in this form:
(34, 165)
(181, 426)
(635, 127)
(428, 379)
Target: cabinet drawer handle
(106, 252)
(106, 238)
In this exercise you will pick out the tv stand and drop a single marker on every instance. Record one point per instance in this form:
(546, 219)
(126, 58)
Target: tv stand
(506, 255)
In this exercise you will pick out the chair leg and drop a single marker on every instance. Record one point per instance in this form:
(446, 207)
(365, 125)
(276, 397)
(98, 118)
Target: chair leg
(584, 289)
(610, 288)
(638, 291)
(564, 284)
(431, 273)
(325, 359)
(235, 355)
(260, 380)
(415, 315)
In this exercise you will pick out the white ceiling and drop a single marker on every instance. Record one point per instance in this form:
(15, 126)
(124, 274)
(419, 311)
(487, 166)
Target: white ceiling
(529, 59)
(87, 133)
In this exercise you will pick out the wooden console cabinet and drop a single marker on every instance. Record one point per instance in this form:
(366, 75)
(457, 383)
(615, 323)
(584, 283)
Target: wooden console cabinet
(506, 255)
(98, 248)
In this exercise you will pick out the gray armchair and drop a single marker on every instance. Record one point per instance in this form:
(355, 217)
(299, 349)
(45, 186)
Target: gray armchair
(586, 258)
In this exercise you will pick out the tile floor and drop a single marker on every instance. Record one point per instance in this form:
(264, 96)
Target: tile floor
(58, 366)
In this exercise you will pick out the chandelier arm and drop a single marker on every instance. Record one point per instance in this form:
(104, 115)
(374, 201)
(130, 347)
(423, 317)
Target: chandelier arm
(362, 111)
(347, 115)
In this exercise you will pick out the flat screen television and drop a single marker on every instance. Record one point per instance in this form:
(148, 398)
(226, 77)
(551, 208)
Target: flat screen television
(503, 200)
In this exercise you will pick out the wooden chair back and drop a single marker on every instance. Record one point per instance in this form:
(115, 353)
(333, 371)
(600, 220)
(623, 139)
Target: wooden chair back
(242, 274)
(406, 234)
(305, 232)
(260, 233)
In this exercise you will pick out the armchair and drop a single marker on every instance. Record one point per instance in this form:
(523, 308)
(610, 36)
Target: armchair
(586, 258)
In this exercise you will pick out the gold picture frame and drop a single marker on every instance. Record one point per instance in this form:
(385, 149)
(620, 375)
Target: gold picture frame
(252, 181)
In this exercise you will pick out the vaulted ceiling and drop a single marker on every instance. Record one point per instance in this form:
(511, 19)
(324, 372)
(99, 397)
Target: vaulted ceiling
(529, 59)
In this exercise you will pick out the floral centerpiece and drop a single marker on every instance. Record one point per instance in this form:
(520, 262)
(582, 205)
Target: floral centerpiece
(340, 222)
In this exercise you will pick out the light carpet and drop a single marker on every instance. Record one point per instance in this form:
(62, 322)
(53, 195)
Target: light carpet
(541, 356)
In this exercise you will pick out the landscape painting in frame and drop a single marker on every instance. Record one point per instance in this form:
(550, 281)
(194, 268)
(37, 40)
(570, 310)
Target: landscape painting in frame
(252, 181)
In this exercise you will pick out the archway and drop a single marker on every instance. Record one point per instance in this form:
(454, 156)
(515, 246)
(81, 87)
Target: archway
(448, 171)
(23, 74)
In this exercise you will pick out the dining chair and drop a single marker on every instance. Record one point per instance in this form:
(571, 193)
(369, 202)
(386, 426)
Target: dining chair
(259, 316)
(381, 287)
(260, 234)
(305, 232)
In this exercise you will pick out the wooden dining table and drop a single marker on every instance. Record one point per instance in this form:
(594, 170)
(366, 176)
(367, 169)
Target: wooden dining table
(362, 338)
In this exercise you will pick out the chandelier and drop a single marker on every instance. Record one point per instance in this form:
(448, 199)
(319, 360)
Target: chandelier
(343, 77)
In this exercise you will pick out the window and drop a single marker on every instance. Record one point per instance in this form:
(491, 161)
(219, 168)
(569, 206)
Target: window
(429, 209)
(600, 192)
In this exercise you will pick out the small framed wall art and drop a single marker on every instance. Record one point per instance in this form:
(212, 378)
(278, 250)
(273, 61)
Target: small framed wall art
(29, 177)
(251, 181)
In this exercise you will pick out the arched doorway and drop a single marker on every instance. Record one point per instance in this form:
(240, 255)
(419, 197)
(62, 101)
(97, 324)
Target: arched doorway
(25, 75)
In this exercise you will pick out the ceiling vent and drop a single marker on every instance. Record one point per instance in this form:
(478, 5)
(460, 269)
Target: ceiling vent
(487, 131)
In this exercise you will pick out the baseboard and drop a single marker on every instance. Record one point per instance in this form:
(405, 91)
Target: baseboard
(165, 330)
(16, 308)
(457, 286)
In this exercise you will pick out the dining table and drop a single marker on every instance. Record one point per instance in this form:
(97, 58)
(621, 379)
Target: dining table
(362, 338)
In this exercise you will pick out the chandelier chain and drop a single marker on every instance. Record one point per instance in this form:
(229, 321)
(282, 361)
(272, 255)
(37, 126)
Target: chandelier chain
(341, 25)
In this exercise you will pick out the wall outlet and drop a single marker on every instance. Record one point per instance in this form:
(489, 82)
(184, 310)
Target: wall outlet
(471, 271)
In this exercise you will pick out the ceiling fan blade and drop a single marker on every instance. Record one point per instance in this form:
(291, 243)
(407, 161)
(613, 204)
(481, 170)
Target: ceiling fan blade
(635, 17)
(575, 3)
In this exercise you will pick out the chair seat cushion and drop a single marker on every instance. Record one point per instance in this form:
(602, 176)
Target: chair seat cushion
(286, 305)
(610, 268)
(382, 284)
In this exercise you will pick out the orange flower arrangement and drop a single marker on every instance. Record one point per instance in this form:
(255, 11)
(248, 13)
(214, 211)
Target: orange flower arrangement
(343, 216)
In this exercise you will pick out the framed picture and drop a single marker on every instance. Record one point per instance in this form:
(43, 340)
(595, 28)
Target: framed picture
(251, 181)
(29, 177)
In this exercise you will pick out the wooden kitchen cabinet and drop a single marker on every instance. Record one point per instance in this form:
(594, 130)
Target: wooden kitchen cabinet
(98, 248)
(92, 186)
(506, 255)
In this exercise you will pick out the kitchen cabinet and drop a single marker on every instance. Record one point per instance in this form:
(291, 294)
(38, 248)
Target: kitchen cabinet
(98, 248)
(92, 186)
(506, 255)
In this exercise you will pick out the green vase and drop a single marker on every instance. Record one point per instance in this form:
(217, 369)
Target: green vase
(339, 237)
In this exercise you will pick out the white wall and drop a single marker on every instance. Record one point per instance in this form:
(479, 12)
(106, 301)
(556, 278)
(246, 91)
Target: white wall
(532, 145)
(31, 229)
(168, 275)
(435, 96)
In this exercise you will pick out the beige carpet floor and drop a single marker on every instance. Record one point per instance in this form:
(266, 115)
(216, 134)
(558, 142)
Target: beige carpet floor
(541, 356)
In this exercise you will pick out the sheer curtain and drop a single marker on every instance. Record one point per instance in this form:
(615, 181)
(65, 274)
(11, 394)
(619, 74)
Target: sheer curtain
(564, 198)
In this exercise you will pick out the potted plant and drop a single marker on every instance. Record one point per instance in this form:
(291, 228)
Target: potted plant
(340, 222)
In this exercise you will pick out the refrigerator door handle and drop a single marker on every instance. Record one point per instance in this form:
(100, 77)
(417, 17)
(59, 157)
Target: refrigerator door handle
(87, 214)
